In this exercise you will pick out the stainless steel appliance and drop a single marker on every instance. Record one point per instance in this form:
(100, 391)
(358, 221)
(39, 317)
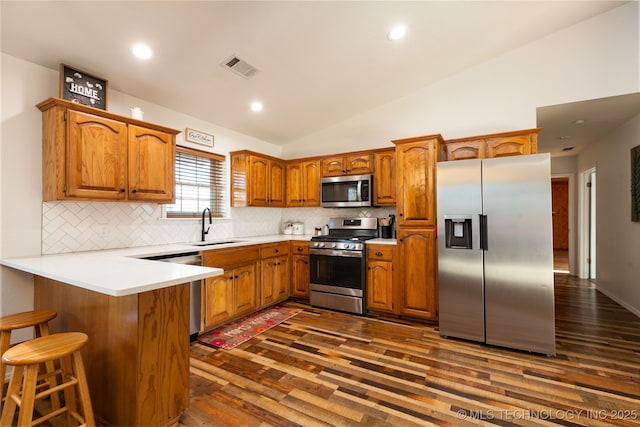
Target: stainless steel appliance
(495, 252)
(346, 191)
(191, 258)
(337, 264)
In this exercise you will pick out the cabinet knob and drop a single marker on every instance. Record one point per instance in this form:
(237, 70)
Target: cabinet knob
(276, 250)
(378, 253)
(122, 190)
(134, 191)
(400, 214)
(300, 249)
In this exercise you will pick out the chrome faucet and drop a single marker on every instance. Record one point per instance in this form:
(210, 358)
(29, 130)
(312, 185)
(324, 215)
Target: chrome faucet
(203, 230)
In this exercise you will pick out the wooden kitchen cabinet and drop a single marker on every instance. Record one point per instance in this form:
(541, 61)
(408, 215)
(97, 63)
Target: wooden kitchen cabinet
(417, 272)
(234, 293)
(416, 160)
(91, 154)
(513, 143)
(347, 164)
(274, 266)
(303, 183)
(257, 180)
(300, 269)
(384, 178)
(380, 278)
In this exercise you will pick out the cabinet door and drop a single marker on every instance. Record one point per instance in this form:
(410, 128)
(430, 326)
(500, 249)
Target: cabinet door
(465, 150)
(245, 288)
(295, 182)
(311, 183)
(384, 182)
(333, 166)
(380, 285)
(268, 273)
(358, 164)
(219, 304)
(508, 146)
(283, 278)
(416, 163)
(277, 174)
(151, 165)
(259, 184)
(418, 272)
(300, 275)
(96, 153)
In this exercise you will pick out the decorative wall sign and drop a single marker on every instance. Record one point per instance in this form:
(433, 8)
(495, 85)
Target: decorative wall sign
(198, 137)
(635, 183)
(82, 88)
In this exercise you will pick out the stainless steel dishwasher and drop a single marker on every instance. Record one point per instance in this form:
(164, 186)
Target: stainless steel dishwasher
(189, 258)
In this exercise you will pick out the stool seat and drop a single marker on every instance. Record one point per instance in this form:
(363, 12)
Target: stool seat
(25, 319)
(26, 358)
(43, 349)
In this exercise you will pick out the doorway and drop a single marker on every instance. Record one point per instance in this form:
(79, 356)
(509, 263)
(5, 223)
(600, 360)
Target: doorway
(560, 209)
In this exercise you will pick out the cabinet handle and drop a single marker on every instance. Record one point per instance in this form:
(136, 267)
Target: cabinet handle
(122, 190)
(230, 277)
(134, 191)
(378, 253)
(276, 250)
(300, 249)
(235, 277)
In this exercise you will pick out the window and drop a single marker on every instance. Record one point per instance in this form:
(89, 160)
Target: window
(200, 183)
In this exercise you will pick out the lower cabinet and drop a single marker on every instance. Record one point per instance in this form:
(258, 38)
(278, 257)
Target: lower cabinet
(380, 283)
(300, 269)
(274, 266)
(417, 272)
(234, 293)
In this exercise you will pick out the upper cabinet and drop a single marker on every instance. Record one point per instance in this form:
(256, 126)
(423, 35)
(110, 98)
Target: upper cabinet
(384, 178)
(416, 160)
(91, 154)
(257, 180)
(493, 145)
(303, 183)
(351, 164)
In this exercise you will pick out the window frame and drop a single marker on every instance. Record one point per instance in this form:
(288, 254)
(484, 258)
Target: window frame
(222, 211)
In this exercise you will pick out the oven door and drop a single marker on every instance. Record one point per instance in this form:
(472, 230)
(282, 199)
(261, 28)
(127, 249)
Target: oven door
(340, 272)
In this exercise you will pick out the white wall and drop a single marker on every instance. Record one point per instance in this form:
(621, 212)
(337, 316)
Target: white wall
(617, 237)
(594, 59)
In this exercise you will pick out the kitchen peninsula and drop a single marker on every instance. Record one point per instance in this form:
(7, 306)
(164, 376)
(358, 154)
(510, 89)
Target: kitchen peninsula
(136, 313)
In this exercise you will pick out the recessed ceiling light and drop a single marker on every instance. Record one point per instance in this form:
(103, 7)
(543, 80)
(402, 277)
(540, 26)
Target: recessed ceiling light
(579, 122)
(564, 137)
(568, 148)
(142, 51)
(256, 106)
(397, 32)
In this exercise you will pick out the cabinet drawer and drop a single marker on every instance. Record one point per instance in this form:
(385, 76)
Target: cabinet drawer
(300, 248)
(380, 252)
(230, 257)
(274, 250)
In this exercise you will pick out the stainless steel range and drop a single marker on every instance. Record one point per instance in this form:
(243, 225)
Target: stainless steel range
(338, 264)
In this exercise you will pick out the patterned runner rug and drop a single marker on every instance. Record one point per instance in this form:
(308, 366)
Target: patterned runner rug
(235, 333)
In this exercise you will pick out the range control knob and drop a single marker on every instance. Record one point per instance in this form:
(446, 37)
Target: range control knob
(332, 245)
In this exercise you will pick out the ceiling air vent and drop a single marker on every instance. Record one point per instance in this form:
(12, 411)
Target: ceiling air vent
(240, 67)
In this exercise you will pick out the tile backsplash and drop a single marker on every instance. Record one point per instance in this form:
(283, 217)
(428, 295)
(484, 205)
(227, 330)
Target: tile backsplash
(87, 226)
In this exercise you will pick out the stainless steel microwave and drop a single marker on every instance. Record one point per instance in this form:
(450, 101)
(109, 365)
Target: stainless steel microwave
(346, 191)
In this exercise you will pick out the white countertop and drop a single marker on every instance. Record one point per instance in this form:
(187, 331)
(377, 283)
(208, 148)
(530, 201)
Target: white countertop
(381, 242)
(119, 272)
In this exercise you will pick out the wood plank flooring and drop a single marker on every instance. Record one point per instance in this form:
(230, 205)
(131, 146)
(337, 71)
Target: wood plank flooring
(323, 368)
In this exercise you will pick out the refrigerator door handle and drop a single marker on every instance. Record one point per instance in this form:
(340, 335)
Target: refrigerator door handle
(484, 238)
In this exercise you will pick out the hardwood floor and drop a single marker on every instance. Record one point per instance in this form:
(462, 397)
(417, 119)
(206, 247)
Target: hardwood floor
(323, 368)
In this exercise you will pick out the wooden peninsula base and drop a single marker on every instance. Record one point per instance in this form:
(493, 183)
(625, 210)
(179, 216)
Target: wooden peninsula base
(137, 357)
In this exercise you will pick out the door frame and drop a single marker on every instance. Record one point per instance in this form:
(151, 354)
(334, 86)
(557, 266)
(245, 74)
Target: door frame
(586, 224)
(572, 222)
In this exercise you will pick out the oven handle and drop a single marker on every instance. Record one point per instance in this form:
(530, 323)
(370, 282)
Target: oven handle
(333, 252)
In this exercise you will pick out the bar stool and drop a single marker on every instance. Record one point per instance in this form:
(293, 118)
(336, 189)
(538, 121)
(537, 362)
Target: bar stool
(39, 320)
(26, 359)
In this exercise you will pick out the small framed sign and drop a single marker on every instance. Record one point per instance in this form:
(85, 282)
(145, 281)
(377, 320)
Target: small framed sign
(82, 88)
(198, 137)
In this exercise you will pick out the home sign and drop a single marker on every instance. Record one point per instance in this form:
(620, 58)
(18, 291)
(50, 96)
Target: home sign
(82, 88)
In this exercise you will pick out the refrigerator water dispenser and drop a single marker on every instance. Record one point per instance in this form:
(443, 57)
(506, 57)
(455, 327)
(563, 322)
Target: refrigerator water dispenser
(457, 231)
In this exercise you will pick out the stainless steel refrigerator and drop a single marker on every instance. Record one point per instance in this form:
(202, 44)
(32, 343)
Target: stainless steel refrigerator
(495, 252)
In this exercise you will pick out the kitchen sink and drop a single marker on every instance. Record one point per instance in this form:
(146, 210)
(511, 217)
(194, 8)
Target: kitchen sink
(216, 243)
